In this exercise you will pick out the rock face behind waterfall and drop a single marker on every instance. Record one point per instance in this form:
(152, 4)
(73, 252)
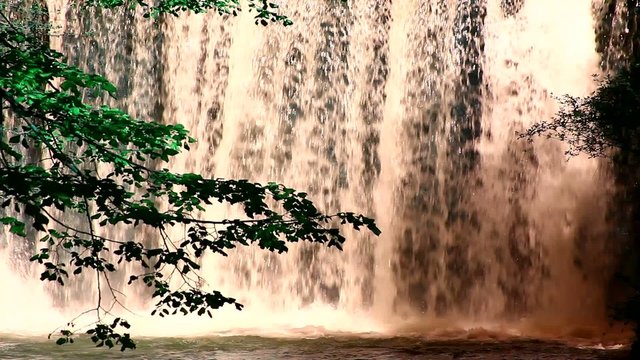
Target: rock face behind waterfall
(617, 35)
(618, 40)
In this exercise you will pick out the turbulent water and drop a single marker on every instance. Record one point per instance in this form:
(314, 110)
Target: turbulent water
(405, 111)
(239, 348)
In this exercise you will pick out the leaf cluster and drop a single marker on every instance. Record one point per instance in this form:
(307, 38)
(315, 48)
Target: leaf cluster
(102, 335)
(601, 124)
(90, 172)
(266, 11)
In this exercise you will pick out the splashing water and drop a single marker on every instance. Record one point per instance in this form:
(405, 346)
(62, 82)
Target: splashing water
(403, 110)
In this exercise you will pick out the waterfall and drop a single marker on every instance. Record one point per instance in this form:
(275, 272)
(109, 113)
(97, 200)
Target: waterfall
(405, 111)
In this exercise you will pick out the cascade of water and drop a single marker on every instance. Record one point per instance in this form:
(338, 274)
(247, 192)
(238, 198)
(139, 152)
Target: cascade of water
(407, 112)
(552, 211)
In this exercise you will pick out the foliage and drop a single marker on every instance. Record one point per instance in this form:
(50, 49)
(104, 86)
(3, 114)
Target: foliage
(607, 124)
(599, 124)
(265, 10)
(91, 160)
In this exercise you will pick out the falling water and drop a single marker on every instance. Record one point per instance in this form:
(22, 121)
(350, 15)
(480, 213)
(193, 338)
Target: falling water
(405, 111)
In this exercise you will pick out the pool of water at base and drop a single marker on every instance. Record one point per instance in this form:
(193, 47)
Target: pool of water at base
(252, 347)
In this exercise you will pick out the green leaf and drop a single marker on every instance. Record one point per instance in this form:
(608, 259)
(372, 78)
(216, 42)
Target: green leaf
(110, 88)
(374, 229)
(8, 220)
(18, 228)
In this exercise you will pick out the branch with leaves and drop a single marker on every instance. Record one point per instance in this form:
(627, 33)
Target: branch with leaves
(601, 124)
(79, 141)
(266, 11)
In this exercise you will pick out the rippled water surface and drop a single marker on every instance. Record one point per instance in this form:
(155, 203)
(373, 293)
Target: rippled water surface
(246, 347)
